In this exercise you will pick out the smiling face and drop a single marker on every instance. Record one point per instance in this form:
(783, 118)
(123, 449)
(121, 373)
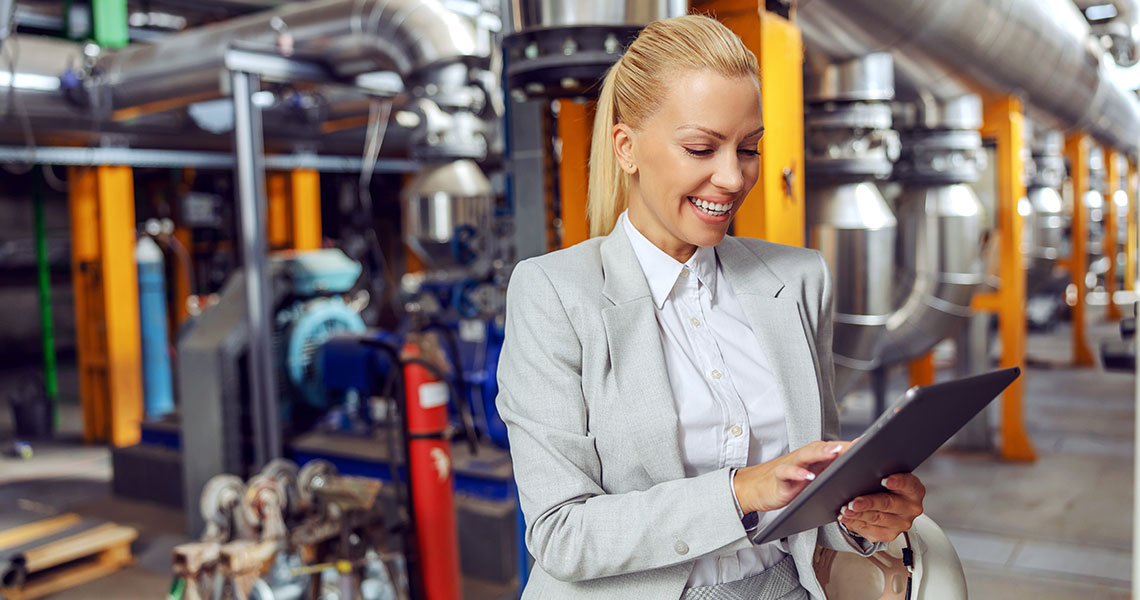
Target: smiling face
(693, 160)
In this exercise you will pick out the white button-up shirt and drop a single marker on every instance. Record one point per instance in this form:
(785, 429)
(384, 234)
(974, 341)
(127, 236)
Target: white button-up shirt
(729, 409)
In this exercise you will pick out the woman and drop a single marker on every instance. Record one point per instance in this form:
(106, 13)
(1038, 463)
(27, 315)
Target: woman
(665, 387)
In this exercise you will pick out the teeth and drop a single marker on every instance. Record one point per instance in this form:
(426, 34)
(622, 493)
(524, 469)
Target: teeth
(711, 208)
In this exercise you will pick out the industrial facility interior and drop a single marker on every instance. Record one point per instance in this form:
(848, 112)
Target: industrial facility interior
(254, 257)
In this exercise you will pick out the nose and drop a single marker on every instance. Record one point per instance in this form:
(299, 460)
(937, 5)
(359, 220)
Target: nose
(728, 176)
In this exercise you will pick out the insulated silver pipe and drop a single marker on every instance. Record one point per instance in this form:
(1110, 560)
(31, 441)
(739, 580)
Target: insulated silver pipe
(994, 45)
(351, 37)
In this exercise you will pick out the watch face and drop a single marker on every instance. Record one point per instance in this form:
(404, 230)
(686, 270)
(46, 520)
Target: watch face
(750, 521)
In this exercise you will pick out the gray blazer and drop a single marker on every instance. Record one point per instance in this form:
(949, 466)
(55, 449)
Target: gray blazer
(584, 392)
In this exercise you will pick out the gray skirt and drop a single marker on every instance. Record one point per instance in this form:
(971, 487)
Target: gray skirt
(778, 582)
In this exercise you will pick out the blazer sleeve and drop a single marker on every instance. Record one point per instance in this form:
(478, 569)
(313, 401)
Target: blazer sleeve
(832, 535)
(574, 529)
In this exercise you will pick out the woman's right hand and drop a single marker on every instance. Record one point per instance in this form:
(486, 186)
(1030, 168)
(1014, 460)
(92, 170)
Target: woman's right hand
(774, 484)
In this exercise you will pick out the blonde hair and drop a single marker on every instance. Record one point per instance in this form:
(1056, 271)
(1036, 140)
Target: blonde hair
(633, 89)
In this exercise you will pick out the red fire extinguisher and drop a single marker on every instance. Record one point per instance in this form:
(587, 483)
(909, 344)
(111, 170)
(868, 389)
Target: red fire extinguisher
(431, 478)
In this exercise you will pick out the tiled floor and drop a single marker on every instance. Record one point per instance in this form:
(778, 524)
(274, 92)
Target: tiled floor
(1058, 528)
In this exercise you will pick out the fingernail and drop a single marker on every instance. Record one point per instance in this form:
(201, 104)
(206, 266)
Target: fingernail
(810, 476)
(839, 517)
(884, 481)
(835, 449)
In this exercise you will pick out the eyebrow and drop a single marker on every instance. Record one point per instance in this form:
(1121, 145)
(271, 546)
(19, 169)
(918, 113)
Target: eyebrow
(718, 135)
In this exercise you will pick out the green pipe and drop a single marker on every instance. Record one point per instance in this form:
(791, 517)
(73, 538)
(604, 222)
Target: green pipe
(110, 22)
(43, 272)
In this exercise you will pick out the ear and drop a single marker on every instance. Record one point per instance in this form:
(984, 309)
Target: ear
(623, 148)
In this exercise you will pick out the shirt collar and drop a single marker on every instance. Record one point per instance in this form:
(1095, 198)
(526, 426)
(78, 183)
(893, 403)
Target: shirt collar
(661, 270)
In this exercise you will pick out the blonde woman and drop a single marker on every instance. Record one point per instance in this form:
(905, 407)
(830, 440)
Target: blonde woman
(666, 387)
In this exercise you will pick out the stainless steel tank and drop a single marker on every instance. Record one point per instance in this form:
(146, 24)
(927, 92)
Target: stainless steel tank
(849, 145)
(942, 233)
(562, 48)
(446, 209)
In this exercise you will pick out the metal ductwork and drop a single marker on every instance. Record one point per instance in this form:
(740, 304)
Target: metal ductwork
(561, 48)
(849, 145)
(1117, 23)
(1044, 226)
(992, 45)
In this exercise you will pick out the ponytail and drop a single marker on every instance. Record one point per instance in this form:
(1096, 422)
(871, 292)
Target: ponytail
(609, 186)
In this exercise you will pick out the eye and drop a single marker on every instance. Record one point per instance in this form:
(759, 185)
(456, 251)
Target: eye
(698, 151)
(748, 151)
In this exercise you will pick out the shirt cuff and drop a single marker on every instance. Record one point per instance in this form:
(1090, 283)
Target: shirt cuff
(751, 520)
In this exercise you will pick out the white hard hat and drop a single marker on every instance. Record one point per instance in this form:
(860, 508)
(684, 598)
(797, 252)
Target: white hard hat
(920, 564)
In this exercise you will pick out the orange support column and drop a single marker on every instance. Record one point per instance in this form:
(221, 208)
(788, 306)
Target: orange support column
(1130, 186)
(306, 195)
(922, 370)
(1004, 123)
(107, 303)
(774, 210)
(278, 218)
(1112, 177)
(575, 122)
(1077, 152)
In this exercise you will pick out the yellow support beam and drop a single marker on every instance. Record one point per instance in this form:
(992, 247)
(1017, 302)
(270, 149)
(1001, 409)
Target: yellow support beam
(575, 124)
(293, 221)
(1112, 177)
(922, 371)
(774, 210)
(306, 205)
(1130, 252)
(1077, 152)
(1003, 122)
(105, 279)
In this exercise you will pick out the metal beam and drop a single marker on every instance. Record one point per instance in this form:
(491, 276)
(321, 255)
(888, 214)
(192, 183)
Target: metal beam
(575, 123)
(1077, 152)
(250, 175)
(143, 157)
(305, 201)
(1112, 183)
(1003, 121)
(1130, 185)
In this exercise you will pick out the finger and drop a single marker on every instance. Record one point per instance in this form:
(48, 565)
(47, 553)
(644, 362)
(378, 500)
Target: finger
(884, 502)
(819, 452)
(794, 473)
(874, 533)
(905, 484)
(878, 519)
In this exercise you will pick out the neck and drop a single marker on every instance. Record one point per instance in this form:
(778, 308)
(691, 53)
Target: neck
(654, 230)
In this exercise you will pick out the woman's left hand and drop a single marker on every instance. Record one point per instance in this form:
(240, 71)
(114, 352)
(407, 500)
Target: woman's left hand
(882, 517)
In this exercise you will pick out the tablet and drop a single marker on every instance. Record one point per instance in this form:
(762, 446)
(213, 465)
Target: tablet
(898, 442)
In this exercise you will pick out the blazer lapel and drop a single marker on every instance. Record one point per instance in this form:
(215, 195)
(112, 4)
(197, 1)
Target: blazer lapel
(638, 359)
(783, 336)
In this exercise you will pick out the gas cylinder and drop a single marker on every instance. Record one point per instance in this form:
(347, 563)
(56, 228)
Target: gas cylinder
(430, 474)
(158, 387)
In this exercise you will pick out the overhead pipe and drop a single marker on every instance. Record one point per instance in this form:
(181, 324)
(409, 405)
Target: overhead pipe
(995, 46)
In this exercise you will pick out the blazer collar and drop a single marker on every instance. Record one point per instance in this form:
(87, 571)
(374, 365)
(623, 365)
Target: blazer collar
(625, 281)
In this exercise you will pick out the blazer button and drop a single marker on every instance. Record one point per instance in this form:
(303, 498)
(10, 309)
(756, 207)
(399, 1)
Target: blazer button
(681, 547)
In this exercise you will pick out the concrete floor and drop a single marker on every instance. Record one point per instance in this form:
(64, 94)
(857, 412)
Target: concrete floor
(1056, 528)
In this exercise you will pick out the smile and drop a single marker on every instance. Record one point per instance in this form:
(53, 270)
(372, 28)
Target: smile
(716, 210)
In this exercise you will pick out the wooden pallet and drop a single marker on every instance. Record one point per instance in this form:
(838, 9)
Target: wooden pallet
(65, 562)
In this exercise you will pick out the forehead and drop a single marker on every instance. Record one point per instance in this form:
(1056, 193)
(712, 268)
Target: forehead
(728, 105)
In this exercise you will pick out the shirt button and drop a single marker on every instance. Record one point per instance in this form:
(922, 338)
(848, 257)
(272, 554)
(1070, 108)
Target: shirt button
(695, 321)
(737, 431)
(681, 547)
(716, 374)
(685, 272)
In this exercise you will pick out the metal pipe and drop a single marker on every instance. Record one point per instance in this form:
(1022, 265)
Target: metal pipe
(992, 45)
(252, 204)
(350, 37)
